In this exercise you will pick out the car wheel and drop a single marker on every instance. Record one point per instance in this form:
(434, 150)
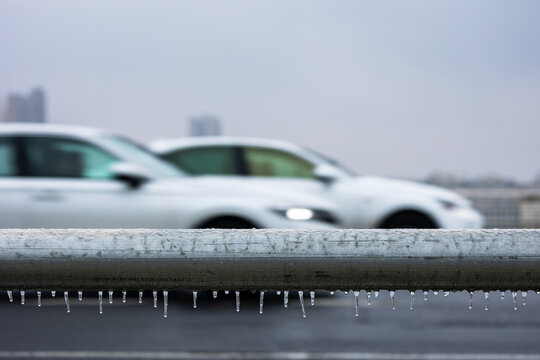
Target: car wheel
(408, 220)
(227, 222)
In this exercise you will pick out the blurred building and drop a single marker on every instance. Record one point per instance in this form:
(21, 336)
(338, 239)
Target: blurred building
(30, 108)
(536, 181)
(504, 202)
(530, 211)
(205, 125)
(450, 180)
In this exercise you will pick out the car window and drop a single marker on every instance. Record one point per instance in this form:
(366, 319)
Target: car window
(65, 158)
(7, 157)
(276, 163)
(138, 154)
(213, 160)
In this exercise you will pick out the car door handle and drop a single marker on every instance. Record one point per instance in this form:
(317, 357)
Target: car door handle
(47, 196)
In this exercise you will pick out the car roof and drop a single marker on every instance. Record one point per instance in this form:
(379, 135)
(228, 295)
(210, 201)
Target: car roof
(50, 129)
(162, 146)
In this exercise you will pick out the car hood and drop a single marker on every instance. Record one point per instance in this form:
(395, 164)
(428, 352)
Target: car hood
(397, 187)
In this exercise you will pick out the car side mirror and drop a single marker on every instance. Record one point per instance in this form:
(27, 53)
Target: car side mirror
(131, 174)
(326, 173)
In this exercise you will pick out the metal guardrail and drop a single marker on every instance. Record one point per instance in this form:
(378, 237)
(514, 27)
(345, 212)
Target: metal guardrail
(448, 260)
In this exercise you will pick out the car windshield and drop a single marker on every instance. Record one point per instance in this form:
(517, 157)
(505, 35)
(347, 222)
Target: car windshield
(140, 155)
(324, 159)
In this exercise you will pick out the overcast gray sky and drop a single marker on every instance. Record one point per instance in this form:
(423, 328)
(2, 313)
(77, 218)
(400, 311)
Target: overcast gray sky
(399, 88)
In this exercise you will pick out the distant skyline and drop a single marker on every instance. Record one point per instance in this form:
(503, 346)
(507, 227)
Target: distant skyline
(205, 125)
(398, 88)
(24, 108)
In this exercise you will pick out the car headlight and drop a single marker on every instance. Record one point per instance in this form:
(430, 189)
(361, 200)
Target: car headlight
(300, 213)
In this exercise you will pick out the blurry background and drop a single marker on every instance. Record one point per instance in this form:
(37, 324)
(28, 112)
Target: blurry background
(405, 89)
(441, 91)
(445, 92)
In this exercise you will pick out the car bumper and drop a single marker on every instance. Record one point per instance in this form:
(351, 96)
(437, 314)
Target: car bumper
(462, 218)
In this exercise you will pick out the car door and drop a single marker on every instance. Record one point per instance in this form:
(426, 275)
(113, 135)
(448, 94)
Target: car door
(288, 170)
(14, 203)
(264, 167)
(68, 184)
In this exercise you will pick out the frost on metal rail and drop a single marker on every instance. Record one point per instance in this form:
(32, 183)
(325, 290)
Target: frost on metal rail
(448, 260)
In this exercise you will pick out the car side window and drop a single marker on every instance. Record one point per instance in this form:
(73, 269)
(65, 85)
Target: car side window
(276, 163)
(211, 160)
(7, 157)
(65, 158)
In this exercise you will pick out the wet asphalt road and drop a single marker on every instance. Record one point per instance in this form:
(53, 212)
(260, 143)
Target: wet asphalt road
(442, 327)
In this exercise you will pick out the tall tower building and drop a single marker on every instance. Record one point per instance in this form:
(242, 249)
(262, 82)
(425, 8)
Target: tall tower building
(29, 108)
(205, 125)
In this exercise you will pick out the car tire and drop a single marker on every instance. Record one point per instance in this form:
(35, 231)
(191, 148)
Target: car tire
(408, 220)
(227, 222)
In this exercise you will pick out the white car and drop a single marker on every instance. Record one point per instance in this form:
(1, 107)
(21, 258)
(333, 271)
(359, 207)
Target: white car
(71, 177)
(364, 201)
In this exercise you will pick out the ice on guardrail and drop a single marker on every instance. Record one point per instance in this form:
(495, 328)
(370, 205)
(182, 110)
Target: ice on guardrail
(23, 294)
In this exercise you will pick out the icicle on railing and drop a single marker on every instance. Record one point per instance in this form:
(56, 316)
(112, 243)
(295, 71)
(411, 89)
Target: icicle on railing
(261, 301)
(195, 299)
(100, 300)
(301, 296)
(66, 299)
(237, 293)
(392, 295)
(165, 302)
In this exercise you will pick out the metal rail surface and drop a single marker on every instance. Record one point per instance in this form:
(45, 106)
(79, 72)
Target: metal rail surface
(270, 259)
